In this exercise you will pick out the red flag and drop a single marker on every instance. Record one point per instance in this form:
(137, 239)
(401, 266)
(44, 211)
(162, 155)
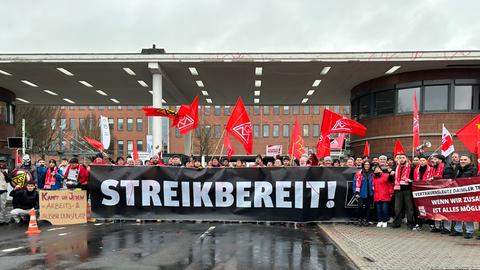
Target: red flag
(323, 145)
(337, 144)
(159, 112)
(398, 150)
(296, 148)
(447, 142)
(366, 150)
(229, 146)
(135, 151)
(187, 117)
(335, 123)
(240, 127)
(469, 134)
(416, 124)
(96, 144)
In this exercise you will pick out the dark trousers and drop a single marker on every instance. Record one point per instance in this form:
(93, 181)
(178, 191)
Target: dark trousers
(364, 208)
(382, 211)
(403, 201)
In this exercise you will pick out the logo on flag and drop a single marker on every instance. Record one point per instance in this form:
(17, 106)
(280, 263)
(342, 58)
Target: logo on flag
(340, 127)
(185, 122)
(244, 131)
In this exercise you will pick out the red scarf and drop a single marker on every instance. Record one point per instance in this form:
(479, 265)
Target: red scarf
(358, 180)
(438, 171)
(401, 179)
(50, 178)
(426, 176)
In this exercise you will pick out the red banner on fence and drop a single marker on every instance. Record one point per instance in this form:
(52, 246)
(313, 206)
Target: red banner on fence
(448, 199)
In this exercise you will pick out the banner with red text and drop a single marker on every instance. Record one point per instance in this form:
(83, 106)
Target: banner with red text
(448, 199)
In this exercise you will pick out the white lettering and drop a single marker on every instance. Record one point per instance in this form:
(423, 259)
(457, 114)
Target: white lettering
(200, 194)
(299, 194)
(168, 193)
(262, 193)
(223, 194)
(150, 191)
(315, 193)
(242, 194)
(130, 190)
(186, 194)
(113, 194)
(281, 194)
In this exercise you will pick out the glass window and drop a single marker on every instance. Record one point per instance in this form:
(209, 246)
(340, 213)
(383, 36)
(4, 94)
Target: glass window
(296, 109)
(138, 108)
(101, 108)
(306, 109)
(111, 122)
(129, 146)
(316, 109)
(436, 98)
(207, 110)
(256, 131)
(385, 102)
(208, 131)
(129, 108)
(53, 124)
(119, 108)
(120, 124)
(364, 106)
(218, 110)
(305, 130)
(63, 124)
(256, 110)
(405, 99)
(286, 130)
(111, 107)
(226, 110)
(12, 115)
(81, 123)
(266, 131)
(316, 130)
(81, 108)
(346, 110)
(129, 124)
(73, 124)
(216, 131)
(463, 97)
(139, 124)
(91, 124)
(276, 110)
(177, 133)
(266, 110)
(119, 148)
(286, 110)
(140, 145)
(275, 130)
(91, 107)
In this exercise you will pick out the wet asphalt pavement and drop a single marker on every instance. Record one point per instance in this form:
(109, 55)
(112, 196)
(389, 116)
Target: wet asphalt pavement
(168, 246)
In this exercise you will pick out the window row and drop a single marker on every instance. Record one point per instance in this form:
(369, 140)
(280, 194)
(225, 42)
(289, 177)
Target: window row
(121, 147)
(110, 108)
(265, 110)
(91, 123)
(7, 113)
(267, 131)
(430, 98)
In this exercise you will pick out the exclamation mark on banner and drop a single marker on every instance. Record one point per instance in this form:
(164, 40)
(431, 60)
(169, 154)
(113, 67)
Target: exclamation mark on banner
(332, 186)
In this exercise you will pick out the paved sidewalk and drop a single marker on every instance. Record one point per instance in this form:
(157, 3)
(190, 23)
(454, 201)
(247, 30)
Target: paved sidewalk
(386, 248)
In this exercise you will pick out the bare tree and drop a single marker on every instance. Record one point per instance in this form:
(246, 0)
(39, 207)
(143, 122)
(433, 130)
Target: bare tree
(91, 128)
(204, 140)
(41, 125)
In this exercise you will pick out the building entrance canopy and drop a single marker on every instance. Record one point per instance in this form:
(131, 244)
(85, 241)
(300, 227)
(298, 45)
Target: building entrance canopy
(259, 78)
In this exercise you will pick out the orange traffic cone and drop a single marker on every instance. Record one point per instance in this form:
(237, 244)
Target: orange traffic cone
(89, 213)
(32, 226)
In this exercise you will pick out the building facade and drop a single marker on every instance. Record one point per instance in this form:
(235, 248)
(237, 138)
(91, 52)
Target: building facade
(272, 125)
(7, 122)
(449, 97)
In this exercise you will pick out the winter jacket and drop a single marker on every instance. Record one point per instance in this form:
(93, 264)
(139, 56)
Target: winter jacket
(4, 180)
(467, 171)
(382, 188)
(82, 176)
(24, 199)
(41, 172)
(366, 187)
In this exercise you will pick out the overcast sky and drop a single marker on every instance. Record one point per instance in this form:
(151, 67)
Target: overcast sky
(238, 26)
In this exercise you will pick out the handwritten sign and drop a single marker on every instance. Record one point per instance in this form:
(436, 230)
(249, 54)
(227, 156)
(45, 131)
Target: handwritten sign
(63, 207)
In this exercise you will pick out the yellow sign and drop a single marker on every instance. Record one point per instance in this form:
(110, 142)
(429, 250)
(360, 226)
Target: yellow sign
(63, 207)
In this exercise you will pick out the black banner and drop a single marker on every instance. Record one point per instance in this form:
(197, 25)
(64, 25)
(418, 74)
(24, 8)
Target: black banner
(245, 194)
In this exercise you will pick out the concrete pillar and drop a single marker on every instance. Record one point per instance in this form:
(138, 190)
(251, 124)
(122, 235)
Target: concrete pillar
(157, 103)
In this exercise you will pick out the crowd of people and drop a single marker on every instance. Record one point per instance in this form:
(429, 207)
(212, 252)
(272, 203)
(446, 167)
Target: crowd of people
(381, 182)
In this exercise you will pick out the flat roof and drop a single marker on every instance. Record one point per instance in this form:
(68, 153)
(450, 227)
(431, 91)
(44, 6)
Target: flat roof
(285, 79)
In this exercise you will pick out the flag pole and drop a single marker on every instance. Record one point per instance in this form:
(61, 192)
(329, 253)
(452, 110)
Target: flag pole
(218, 143)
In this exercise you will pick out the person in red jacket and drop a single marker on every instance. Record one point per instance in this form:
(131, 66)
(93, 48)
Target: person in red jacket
(382, 195)
(76, 175)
